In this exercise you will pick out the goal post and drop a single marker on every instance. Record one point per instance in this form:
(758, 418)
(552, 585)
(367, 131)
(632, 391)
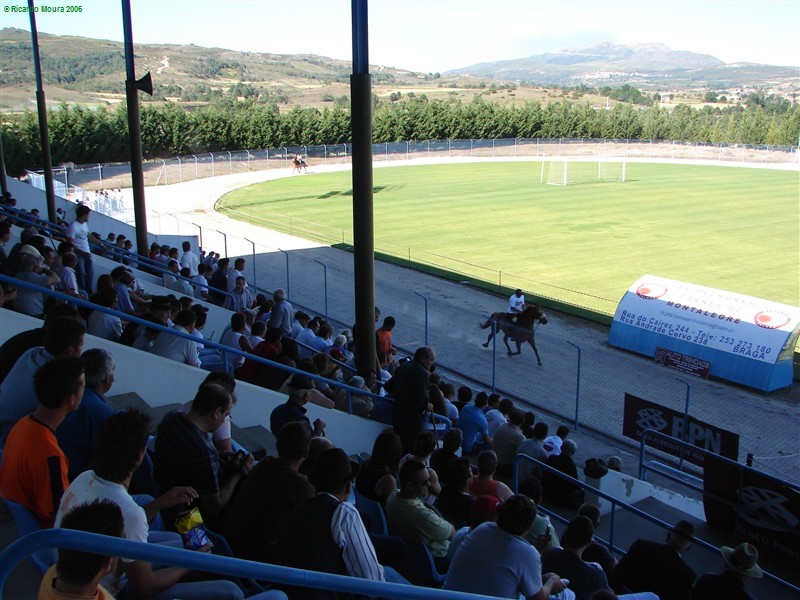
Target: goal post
(563, 172)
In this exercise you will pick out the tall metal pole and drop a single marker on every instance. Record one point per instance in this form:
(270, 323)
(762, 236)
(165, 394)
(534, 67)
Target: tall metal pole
(363, 226)
(134, 134)
(3, 182)
(41, 107)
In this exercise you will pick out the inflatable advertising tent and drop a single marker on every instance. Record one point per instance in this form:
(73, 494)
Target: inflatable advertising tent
(730, 336)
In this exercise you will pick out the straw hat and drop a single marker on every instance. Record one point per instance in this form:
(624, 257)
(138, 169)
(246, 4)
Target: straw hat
(743, 559)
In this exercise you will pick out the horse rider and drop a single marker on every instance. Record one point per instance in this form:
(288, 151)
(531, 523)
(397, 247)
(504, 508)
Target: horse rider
(516, 304)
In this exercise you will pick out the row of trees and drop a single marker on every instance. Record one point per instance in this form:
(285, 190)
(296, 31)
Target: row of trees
(82, 135)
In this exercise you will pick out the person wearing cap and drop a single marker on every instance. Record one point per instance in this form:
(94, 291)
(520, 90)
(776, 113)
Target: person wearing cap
(294, 408)
(281, 315)
(652, 567)
(558, 490)
(740, 563)
(483, 509)
(516, 303)
(127, 299)
(326, 533)
(495, 560)
(32, 270)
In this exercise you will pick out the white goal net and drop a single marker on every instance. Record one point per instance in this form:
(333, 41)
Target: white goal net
(572, 172)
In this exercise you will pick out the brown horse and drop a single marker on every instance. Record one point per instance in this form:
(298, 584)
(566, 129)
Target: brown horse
(299, 165)
(518, 326)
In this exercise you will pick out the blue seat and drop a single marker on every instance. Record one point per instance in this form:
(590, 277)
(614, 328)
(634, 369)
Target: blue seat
(373, 511)
(26, 523)
(420, 565)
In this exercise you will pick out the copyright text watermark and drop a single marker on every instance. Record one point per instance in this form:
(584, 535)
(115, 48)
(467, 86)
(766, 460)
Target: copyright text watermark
(44, 8)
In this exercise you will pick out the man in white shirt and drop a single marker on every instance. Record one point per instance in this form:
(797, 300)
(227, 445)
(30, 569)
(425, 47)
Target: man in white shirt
(179, 348)
(189, 259)
(236, 271)
(78, 234)
(516, 303)
(200, 283)
(120, 449)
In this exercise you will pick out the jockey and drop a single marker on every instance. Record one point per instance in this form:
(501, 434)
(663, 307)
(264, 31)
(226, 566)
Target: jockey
(516, 304)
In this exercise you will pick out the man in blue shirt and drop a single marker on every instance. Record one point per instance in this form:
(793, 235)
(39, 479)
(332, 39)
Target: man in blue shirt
(294, 409)
(472, 423)
(63, 339)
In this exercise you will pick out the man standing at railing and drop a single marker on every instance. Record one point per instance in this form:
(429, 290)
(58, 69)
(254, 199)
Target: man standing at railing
(409, 388)
(78, 234)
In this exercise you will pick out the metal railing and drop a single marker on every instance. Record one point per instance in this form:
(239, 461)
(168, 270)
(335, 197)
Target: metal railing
(695, 483)
(207, 343)
(211, 164)
(201, 561)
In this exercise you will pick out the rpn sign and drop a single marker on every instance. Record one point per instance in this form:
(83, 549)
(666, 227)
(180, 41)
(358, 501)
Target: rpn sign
(641, 415)
(744, 339)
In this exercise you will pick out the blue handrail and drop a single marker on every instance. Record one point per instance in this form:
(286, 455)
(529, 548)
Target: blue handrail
(208, 343)
(624, 505)
(105, 246)
(155, 553)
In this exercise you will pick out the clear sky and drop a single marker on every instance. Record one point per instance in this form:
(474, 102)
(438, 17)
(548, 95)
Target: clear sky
(438, 35)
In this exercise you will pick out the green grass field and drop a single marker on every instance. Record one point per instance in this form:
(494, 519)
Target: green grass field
(730, 228)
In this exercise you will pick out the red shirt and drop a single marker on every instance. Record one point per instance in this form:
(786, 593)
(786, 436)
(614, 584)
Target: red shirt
(34, 470)
(383, 338)
(250, 369)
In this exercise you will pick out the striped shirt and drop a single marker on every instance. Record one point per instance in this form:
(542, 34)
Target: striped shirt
(358, 553)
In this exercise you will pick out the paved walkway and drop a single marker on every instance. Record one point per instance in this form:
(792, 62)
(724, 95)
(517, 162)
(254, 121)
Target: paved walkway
(768, 424)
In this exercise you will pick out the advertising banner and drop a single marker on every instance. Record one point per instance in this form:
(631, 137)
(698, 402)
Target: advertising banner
(769, 509)
(642, 414)
(745, 339)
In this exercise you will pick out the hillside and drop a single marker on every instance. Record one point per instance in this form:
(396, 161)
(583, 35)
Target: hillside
(91, 72)
(649, 67)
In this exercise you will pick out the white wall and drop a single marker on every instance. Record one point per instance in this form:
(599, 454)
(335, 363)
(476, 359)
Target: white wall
(160, 381)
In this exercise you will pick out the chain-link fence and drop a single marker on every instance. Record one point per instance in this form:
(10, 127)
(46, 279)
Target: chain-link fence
(581, 382)
(211, 164)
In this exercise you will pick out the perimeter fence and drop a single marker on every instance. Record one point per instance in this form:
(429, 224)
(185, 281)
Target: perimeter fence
(211, 164)
(582, 382)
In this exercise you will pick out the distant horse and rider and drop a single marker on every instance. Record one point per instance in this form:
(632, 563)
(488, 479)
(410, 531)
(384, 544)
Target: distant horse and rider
(517, 326)
(300, 165)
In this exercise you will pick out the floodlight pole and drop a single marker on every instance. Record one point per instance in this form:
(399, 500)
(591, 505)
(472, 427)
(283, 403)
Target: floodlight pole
(363, 225)
(134, 134)
(3, 182)
(41, 107)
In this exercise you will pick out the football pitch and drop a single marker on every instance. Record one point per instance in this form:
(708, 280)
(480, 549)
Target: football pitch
(737, 229)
